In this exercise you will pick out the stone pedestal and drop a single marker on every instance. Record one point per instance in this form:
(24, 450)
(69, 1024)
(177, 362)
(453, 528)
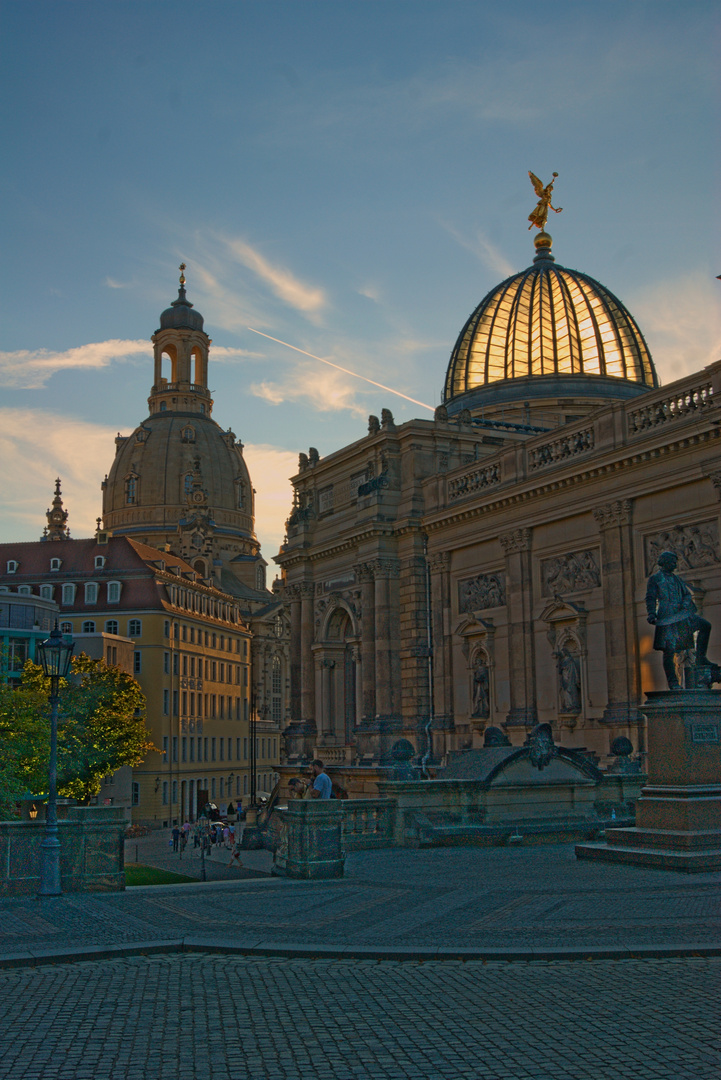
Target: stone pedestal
(678, 816)
(311, 839)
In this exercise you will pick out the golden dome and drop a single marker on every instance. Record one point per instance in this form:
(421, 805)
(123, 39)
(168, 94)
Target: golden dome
(550, 323)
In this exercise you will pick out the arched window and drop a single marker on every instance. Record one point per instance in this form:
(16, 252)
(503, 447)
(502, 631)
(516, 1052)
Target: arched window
(131, 490)
(260, 576)
(111, 626)
(66, 628)
(276, 686)
(89, 627)
(188, 434)
(55, 564)
(113, 592)
(188, 483)
(240, 493)
(68, 596)
(135, 628)
(46, 591)
(91, 592)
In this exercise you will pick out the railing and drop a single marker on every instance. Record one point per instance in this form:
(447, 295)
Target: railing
(695, 399)
(367, 823)
(561, 448)
(482, 476)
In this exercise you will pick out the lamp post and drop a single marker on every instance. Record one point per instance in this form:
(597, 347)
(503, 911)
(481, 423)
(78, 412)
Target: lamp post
(55, 655)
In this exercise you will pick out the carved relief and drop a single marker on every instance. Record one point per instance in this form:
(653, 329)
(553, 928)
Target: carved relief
(614, 514)
(481, 592)
(515, 540)
(694, 545)
(575, 571)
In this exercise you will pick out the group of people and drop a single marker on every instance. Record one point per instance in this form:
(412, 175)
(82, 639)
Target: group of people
(205, 837)
(318, 785)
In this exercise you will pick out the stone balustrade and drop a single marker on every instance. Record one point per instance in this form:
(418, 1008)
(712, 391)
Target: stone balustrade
(367, 823)
(477, 478)
(670, 407)
(554, 451)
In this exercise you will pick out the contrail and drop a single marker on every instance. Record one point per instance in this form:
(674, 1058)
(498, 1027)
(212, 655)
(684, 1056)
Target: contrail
(339, 368)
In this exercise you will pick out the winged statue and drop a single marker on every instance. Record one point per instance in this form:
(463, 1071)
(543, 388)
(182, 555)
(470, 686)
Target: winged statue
(539, 214)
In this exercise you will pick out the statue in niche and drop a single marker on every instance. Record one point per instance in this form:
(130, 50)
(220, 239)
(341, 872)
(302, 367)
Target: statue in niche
(569, 681)
(481, 691)
(670, 608)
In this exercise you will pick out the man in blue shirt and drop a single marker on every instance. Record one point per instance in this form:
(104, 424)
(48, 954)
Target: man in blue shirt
(322, 785)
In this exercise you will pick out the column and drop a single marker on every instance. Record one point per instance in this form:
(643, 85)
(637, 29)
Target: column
(440, 564)
(367, 709)
(387, 696)
(516, 545)
(293, 597)
(327, 667)
(307, 664)
(623, 676)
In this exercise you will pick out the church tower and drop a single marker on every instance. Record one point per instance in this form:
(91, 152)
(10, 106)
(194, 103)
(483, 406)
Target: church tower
(180, 482)
(57, 515)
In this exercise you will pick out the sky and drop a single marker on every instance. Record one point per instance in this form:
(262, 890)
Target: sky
(349, 178)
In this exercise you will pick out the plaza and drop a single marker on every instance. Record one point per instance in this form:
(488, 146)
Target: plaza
(496, 964)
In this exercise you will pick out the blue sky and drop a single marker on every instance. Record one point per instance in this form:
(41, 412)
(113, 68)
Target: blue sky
(350, 177)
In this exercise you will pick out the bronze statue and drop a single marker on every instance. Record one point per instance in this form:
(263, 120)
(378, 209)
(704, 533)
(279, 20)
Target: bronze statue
(671, 610)
(539, 214)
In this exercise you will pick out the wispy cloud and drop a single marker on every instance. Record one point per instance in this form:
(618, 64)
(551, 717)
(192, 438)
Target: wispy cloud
(681, 321)
(312, 385)
(286, 286)
(28, 369)
(113, 284)
(479, 245)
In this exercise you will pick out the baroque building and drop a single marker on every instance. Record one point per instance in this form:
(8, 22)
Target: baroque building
(487, 568)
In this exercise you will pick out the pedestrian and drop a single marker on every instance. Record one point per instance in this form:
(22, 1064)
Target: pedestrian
(183, 840)
(322, 784)
(226, 836)
(235, 856)
(176, 837)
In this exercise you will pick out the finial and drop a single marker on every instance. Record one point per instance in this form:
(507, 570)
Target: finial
(539, 214)
(57, 485)
(182, 274)
(98, 522)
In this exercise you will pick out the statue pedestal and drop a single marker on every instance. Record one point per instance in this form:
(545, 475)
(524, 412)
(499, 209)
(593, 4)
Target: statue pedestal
(678, 816)
(311, 840)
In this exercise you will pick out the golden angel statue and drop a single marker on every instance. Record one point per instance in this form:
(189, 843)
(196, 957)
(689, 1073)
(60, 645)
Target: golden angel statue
(539, 214)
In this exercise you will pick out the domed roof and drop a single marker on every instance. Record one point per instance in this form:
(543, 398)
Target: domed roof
(549, 321)
(180, 315)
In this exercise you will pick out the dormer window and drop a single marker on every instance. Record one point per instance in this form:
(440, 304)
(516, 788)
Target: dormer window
(114, 592)
(91, 592)
(68, 596)
(55, 564)
(188, 434)
(24, 590)
(99, 562)
(46, 592)
(12, 566)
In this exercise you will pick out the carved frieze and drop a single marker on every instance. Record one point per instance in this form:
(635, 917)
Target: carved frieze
(576, 571)
(481, 592)
(515, 540)
(694, 545)
(614, 514)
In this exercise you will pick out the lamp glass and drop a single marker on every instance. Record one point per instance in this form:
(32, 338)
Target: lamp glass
(55, 655)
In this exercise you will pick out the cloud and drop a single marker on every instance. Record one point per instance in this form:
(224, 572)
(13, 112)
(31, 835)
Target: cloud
(270, 468)
(299, 295)
(480, 246)
(37, 445)
(681, 321)
(113, 284)
(28, 369)
(319, 387)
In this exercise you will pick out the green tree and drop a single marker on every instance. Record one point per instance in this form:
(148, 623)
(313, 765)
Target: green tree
(101, 727)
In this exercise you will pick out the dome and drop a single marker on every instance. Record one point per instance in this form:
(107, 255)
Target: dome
(180, 315)
(557, 330)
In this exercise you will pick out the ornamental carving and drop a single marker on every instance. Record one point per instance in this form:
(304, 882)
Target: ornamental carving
(481, 592)
(614, 514)
(439, 560)
(516, 540)
(694, 545)
(385, 568)
(576, 571)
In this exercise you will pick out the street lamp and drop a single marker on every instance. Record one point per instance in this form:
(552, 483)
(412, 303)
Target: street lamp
(55, 655)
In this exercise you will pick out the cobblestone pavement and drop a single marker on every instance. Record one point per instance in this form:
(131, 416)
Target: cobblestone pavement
(190, 1017)
(535, 898)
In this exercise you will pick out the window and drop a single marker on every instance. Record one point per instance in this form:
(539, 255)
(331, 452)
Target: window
(131, 490)
(66, 628)
(166, 663)
(245, 749)
(205, 751)
(237, 749)
(135, 798)
(175, 791)
(135, 628)
(175, 747)
(212, 749)
(192, 749)
(91, 592)
(237, 785)
(245, 676)
(222, 749)
(165, 748)
(166, 627)
(200, 749)
(176, 664)
(88, 627)
(221, 673)
(175, 702)
(185, 703)
(55, 564)
(99, 562)
(222, 786)
(111, 626)
(24, 590)
(166, 702)
(137, 666)
(184, 748)
(245, 648)
(230, 749)
(68, 595)
(12, 566)
(192, 635)
(212, 788)
(245, 784)
(114, 592)
(165, 792)
(46, 592)
(245, 709)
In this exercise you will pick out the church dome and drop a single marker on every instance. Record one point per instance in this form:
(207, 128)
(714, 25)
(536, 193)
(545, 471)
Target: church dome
(548, 331)
(180, 315)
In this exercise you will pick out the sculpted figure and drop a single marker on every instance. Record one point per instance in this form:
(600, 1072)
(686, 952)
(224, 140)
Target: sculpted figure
(539, 214)
(569, 678)
(481, 692)
(671, 610)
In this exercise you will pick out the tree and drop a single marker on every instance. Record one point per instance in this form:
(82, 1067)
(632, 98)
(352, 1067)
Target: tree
(101, 727)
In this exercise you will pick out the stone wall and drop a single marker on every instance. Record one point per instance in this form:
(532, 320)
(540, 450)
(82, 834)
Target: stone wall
(91, 852)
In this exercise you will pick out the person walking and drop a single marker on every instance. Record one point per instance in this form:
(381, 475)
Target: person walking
(176, 837)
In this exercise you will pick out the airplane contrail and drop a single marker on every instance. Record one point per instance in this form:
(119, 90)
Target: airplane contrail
(339, 368)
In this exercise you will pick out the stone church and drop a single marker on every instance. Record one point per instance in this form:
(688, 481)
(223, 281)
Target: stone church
(487, 568)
